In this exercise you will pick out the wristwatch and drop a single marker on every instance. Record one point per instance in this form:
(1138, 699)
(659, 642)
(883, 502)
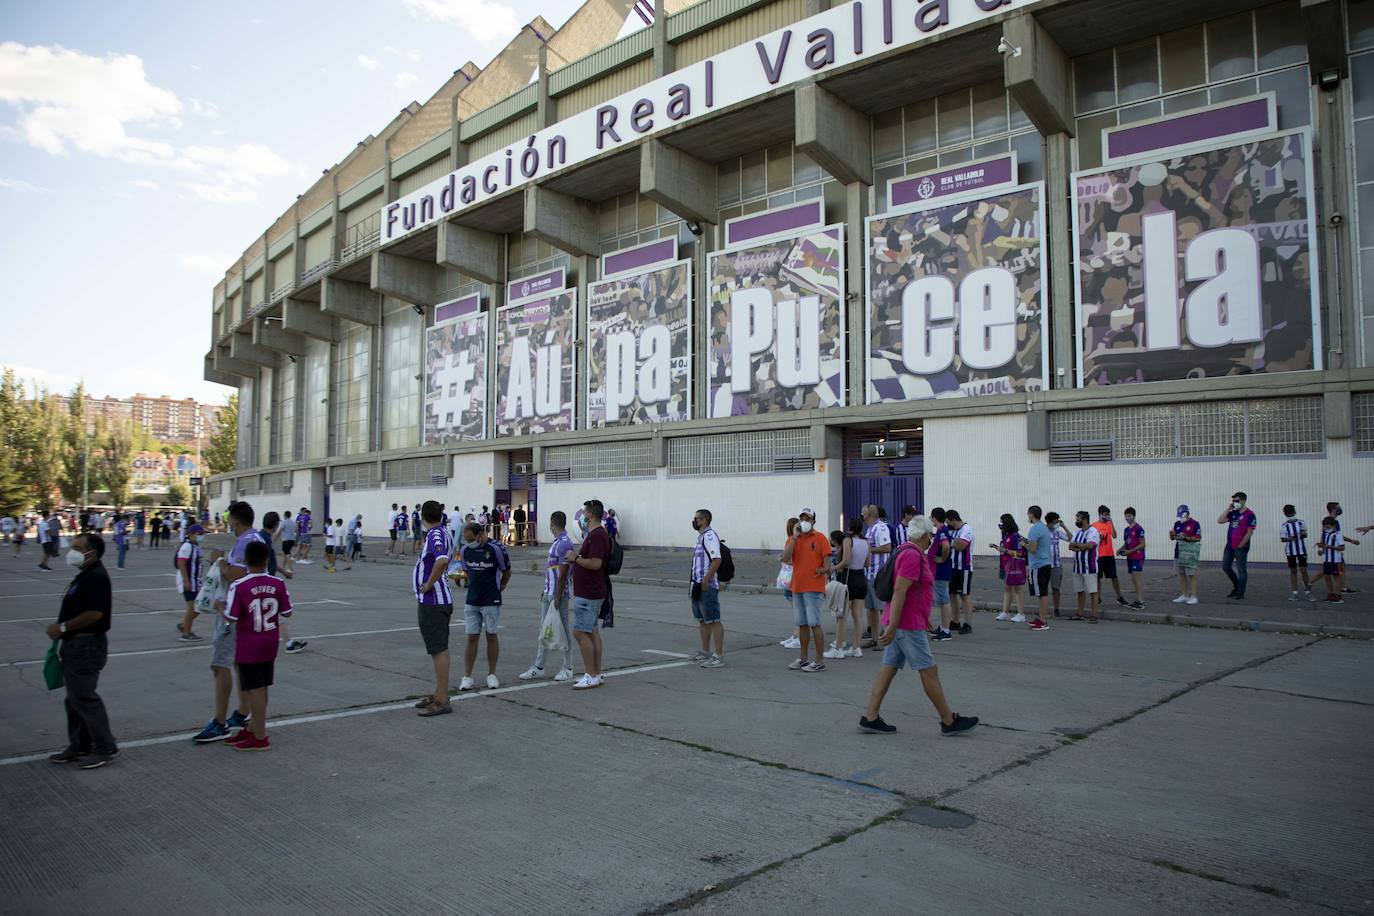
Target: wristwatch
(62, 628)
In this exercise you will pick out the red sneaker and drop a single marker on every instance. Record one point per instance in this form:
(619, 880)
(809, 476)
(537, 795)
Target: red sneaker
(1038, 624)
(253, 744)
(243, 735)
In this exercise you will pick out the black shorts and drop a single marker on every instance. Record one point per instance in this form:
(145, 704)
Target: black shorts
(287, 547)
(1295, 561)
(961, 582)
(1040, 581)
(255, 675)
(329, 550)
(434, 620)
(1106, 567)
(857, 583)
(50, 548)
(393, 534)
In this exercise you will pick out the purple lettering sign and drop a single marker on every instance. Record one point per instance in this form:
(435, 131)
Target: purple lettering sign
(457, 308)
(808, 214)
(538, 285)
(982, 175)
(1232, 120)
(662, 251)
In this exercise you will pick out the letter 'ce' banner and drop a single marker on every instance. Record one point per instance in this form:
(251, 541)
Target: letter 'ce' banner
(1198, 265)
(640, 329)
(534, 370)
(955, 304)
(456, 380)
(777, 325)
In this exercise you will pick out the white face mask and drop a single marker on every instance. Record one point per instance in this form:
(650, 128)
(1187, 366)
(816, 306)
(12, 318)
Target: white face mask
(805, 527)
(75, 558)
(1235, 504)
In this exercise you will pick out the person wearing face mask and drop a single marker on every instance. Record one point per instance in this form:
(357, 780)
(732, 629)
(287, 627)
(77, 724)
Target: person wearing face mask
(1106, 557)
(808, 550)
(705, 591)
(82, 625)
(1187, 538)
(1240, 525)
(1333, 510)
(1039, 557)
(1084, 545)
(189, 580)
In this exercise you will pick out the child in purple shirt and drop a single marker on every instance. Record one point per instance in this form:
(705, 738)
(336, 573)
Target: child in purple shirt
(1133, 549)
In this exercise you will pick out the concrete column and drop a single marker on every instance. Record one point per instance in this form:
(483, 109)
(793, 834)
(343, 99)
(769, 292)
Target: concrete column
(374, 391)
(302, 317)
(701, 324)
(565, 222)
(1061, 258)
(679, 181)
(834, 134)
(546, 107)
(241, 347)
(1334, 172)
(472, 252)
(582, 269)
(1040, 77)
(408, 279)
(665, 53)
(856, 303)
(271, 336)
(350, 300)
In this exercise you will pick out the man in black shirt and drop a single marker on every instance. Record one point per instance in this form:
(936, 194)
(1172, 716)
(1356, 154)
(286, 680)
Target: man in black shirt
(81, 625)
(488, 570)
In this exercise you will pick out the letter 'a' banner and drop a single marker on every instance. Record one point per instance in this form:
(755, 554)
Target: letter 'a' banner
(1198, 264)
(955, 299)
(777, 325)
(534, 370)
(639, 328)
(456, 380)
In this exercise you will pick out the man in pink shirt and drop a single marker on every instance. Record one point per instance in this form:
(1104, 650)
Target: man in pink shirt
(255, 605)
(905, 620)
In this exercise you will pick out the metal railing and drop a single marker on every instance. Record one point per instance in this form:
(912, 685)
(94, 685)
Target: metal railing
(282, 290)
(310, 273)
(358, 240)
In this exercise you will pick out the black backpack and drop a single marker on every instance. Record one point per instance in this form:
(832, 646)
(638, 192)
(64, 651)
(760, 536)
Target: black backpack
(726, 571)
(614, 561)
(883, 581)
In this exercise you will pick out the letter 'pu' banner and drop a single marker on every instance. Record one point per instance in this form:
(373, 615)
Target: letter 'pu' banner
(1198, 264)
(534, 370)
(955, 299)
(639, 327)
(456, 380)
(777, 325)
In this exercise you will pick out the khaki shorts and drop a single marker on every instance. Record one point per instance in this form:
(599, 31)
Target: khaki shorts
(1082, 582)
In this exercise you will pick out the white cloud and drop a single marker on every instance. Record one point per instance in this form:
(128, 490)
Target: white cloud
(406, 80)
(22, 186)
(213, 264)
(411, 54)
(368, 63)
(486, 20)
(145, 184)
(204, 109)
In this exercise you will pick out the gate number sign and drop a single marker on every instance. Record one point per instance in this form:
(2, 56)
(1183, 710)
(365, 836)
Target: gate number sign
(893, 448)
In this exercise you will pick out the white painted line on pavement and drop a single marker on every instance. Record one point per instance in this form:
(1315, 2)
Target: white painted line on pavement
(359, 711)
(123, 614)
(661, 652)
(121, 591)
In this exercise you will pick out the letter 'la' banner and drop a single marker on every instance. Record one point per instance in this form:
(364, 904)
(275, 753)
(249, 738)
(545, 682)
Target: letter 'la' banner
(640, 331)
(456, 380)
(777, 325)
(534, 369)
(955, 302)
(1198, 264)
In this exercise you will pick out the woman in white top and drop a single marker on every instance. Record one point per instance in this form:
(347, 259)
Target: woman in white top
(331, 543)
(849, 568)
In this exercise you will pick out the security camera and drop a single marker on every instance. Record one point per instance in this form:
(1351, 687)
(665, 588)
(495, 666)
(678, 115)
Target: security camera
(1007, 49)
(694, 227)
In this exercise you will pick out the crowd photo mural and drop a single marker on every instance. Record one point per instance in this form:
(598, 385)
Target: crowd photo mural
(955, 298)
(456, 380)
(534, 365)
(639, 331)
(1198, 264)
(776, 325)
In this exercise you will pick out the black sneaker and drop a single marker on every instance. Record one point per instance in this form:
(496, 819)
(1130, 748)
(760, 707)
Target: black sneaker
(1347, 590)
(1056, 612)
(876, 725)
(1238, 596)
(941, 635)
(97, 761)
(1137, 605)
(1233, 594)
(966, 630)
(67, 756)
(960, 725)
(1122, 601)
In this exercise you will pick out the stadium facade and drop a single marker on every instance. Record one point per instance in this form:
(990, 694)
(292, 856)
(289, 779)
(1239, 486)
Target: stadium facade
(763, 254)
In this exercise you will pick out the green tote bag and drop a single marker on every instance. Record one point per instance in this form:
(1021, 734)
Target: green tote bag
(52, 667)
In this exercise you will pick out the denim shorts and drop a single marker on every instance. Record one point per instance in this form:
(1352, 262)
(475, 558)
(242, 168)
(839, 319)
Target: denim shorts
(222, 644)
(806, 608)
(706, 609)
(477, 619)
(909, 648)
(871, 601)
(585, 613)
(941, 592)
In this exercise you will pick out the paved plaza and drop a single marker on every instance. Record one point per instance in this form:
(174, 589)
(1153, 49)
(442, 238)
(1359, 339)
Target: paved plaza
(1122, 768)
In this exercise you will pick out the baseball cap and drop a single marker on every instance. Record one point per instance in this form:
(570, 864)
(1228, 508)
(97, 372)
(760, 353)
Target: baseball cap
(1182, 511)
(807, 511)
(195, 529)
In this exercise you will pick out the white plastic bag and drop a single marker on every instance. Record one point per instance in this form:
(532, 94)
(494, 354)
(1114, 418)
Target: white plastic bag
(552, 634)
(784, 580)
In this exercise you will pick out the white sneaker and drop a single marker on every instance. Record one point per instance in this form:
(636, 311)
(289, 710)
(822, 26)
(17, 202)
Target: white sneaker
(835, 653)
(532, 674)
(492, 682)
(465, 684)
(587, 682)
(1192, 599)
(1181, 599)
(1293, 596)
(1019, 618)
(305, 562)
(1002, 616)
(791, 643)
(1307, 596)
(856, 652)
(564, 675)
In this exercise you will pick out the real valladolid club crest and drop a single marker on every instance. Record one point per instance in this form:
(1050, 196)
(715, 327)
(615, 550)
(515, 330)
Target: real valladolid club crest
(926, 188)
(524, 289)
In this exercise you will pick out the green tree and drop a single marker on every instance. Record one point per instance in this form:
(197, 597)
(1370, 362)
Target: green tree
(116, 458)
(76, 453)
(40, 452)
(178, 494)
(222, 453)
(14, 496)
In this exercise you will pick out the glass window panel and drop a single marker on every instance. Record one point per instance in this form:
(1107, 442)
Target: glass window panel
(1230, 47)
(780, 167)
(1365, 209)
(919, 127)
(956, 156)
(729, 213)
(880, 179)
(605, 219)
(1137, 71)
(727, 182)
(955, 123)
(834, 194)
(1181, 59)
(808, 193)
(1364, 150)
(1362, 84)
(1279, 35)
(887, 136)
(917, 166)
(780, 200)
(1094, 81)
(1185, 101)
(753, 175)
(542, 250)
(991, 148)
(989, 110)
(1030, 156)
(1142, 112)
(1238, 89)
(1367, 284)
(753, 206)
(1019, 119)
(628, 216)
(1089, 139)
(648, 213)
(805, 169)
(1292, 96)
(1360, 22)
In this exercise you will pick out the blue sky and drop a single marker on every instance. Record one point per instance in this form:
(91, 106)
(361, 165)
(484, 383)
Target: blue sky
(144, 146)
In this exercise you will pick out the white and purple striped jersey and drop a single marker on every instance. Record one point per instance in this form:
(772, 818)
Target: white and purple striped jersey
(1056, 535)
(1293, 533)
(436, 545)
(302, 524)
(1085, 561)
(962, 559)
(190, 552)
(557, 551)
(707, 549)
(1332, 542)
(877, 536)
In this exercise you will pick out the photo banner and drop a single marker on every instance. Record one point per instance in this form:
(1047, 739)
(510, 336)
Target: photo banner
(639, 329)
(1198, 264)
(956, 299)
(456, 380)
(777, 325)
(534, 365)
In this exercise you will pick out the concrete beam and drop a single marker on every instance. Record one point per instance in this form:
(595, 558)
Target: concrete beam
(665, 52)
(218, 376)
(1325, 38)
(270, 335)
(679, 181)
(302, 317)
(1336, 412)
(350, 300)
(241, 347)
(475, 253)
(834, 134)
(224, 362)
(568, 223)
(1040, 77)
(408, 279)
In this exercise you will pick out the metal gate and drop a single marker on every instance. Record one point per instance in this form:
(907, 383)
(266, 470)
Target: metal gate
(530, 484)
(891, 484)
